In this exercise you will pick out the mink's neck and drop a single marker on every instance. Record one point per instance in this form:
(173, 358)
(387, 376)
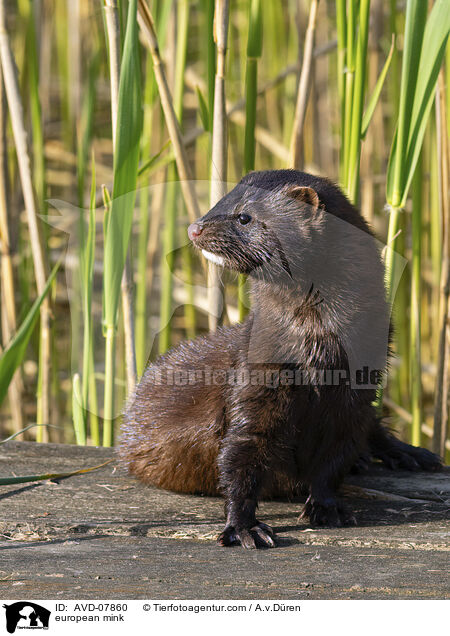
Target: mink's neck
(309, 324)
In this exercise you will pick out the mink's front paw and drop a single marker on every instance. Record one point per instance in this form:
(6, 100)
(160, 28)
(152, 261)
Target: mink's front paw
(329, 514)
(259, 535)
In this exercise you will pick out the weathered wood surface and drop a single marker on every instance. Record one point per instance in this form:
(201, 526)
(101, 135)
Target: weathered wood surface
(103, 535)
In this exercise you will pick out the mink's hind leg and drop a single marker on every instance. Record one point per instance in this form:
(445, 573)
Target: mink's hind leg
(398, 455)
(323, 509)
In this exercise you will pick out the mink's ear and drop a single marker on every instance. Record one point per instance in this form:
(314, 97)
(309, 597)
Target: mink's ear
(303, 194)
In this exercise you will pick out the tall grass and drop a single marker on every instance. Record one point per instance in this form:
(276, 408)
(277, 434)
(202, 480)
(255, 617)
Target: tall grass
(39, 258)
(181, 15)
(9, 317)
(144, 223)
(424, 47)
(14, 353)
(304, 86)
(88, 390)
(119, 219)
(227, 88)
(219, 151)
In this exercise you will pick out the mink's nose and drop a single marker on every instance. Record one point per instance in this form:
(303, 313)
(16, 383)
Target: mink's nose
(194, 230)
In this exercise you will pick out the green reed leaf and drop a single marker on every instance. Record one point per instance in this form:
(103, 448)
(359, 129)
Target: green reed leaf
(14, 353)
(126, 158)
(374, 98)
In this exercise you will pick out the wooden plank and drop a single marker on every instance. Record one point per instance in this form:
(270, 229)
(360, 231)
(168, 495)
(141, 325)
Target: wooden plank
(103, 535)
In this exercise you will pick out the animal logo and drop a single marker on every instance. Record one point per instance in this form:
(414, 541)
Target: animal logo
(25, 614)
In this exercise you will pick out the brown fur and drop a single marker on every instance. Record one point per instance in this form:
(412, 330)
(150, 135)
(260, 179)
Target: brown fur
(318, 302)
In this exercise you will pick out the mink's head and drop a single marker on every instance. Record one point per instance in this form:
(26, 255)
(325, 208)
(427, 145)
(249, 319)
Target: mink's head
(315, 264)
(257, 226)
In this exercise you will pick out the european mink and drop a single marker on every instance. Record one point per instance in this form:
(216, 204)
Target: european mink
(284, 401)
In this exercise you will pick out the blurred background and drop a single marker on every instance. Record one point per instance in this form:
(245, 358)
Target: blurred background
(121, 121)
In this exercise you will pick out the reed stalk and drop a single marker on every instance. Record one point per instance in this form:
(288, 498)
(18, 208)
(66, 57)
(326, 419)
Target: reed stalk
(147, 26)
(304, 85)
(7, 277)
(178, 96)
(352, 43)
(88, 391)
(109, 394)
(61, 34)
(254, 51)
(218, 153)
(349, 47)
(359, 83)
(113, 33)
(84, 137)
(341, 28)
(78, 411)
(441, 407)
(74, 46)
(86, 242)
(275, 47)
(402, 384)
(119, 216)
(424, 47)
(144, 225)
(394, 84)
(171, 203)
(149, 228)
(40, 268)
(210, 56)
(30, 13)
(435, 238)
(109, 331)
(416, 301)
(36, 113)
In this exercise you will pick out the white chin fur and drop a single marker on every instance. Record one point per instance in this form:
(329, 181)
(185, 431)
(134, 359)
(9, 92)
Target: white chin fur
(218, 260)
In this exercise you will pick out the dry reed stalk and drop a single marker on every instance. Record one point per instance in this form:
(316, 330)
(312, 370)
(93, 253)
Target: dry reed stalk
(7, 277)
(6, 262)
(154, 234)
(74, 52)
(40, 268)
(128, 322)
(45, 57)
(218, 153)
(296, 149)
(441, 408)
(184, 171)
(113, 29)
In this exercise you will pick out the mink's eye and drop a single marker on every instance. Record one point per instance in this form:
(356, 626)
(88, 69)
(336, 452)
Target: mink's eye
(244, 219)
